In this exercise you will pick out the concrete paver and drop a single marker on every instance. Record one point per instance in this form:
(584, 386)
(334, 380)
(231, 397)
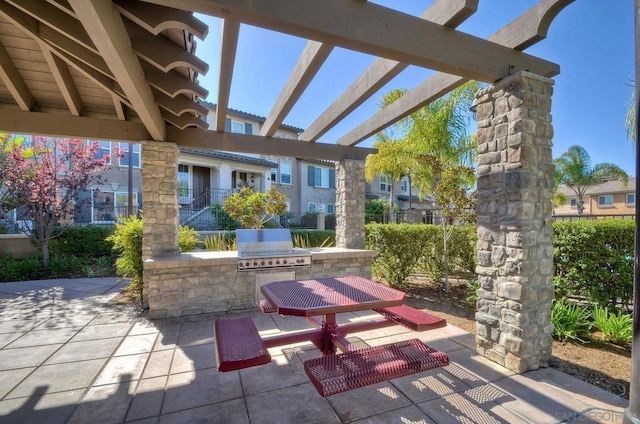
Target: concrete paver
(69, 356)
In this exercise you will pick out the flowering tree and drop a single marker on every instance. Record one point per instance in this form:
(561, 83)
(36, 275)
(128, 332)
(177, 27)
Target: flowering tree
(45, 176)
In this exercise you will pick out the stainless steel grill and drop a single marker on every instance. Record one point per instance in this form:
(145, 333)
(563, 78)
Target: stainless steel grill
(272, 248)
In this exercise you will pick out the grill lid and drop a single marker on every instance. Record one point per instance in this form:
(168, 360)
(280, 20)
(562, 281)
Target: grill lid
(269, 242)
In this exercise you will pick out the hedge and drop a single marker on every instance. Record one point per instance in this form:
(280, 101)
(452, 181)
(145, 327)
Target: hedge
(404, 249)
(594, 260)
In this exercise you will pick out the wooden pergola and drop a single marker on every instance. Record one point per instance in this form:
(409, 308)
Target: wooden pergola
(126, 70)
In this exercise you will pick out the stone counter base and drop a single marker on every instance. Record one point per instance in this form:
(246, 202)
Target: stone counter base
(205, 282)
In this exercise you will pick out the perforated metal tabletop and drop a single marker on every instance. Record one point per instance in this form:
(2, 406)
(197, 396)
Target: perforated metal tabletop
(331, 295)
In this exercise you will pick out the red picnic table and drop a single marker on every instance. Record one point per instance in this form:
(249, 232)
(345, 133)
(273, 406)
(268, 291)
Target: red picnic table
(239, 344)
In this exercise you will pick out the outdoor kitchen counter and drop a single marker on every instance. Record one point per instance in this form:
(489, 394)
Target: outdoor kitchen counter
(202, 282)
(231, 257)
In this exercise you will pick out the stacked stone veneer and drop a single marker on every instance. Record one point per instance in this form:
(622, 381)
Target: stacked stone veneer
(159, 191)
(205, 282)
(515, 266)
(350, 200)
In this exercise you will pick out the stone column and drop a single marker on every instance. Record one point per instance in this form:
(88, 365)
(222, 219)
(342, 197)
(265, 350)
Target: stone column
(160, 201)
(350, 204)
(515, 253)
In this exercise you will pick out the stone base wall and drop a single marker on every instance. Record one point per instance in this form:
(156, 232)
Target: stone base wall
(205, 282)
(350, 201)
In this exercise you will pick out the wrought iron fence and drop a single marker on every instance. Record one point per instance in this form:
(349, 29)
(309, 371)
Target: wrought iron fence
(590, 217)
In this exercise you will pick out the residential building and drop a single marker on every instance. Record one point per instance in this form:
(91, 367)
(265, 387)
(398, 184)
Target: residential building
(613, 197)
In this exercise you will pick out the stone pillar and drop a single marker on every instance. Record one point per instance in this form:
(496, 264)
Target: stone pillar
(159, 194)
(350, 204)
(515, 253)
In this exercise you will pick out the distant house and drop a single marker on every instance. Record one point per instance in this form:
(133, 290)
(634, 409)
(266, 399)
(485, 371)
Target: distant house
(609, 198)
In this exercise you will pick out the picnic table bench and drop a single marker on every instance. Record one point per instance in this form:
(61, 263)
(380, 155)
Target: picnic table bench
(239, 344)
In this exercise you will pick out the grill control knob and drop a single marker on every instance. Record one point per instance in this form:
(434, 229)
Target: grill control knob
(277, 262)
(284, 262)
(248, 263)
(262, 263)
(270, 262)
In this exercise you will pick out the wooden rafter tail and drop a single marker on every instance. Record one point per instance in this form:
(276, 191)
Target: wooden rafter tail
(172, 83)
(179, 105)
(162, 52)
(183, 121)
(155, 18)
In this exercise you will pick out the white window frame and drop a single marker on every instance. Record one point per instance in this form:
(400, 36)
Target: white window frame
(404, 184)
(285, 173)
(626, 199)
(385, 186)
(103, 146)
(234, 127)
(312, 207)
(605, 201)
(331, 209)
(573, 202)
(137, 154)
(274, 175)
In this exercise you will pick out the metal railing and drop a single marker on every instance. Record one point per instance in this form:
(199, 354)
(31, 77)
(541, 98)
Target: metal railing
(590, 217)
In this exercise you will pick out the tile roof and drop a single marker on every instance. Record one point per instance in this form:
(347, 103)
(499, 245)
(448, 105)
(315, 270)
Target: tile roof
(248, 115)
(608, 187)
(229, 156)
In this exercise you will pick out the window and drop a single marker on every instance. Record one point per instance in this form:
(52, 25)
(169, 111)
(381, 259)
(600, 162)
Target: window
(404, 184)
(104, 149)
(183, 183)
(573, 203)
(124, 149)
(606, 200)
(238, 127)
(285, 173)
(312, 207)
(274, 175)
(384, 183)
(321, 177)
(631, 199)
(109, 206)
(331, 209)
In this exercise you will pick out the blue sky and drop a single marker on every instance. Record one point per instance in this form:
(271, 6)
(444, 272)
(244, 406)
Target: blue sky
(591, 40)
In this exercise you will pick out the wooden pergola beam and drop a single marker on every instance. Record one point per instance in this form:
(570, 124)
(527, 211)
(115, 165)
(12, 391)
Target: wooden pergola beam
(373, 29)
(245, 143)
(449, 13)
(308, 65)
(106, 29)
(229, 44)
(65, 125)
(61, 74)
(11, 77)
(513, 35)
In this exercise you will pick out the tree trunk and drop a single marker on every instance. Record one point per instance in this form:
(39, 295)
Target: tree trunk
(445, 256)
(44, 247)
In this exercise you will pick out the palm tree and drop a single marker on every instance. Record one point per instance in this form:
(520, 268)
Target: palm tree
(393, 158)
(574, 170)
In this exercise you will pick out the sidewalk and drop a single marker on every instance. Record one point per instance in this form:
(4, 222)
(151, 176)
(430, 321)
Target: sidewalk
(69, 356)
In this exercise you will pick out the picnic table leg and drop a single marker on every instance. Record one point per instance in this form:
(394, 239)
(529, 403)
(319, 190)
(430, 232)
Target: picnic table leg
(330, 327)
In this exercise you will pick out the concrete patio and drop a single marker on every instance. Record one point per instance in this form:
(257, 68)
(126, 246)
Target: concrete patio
(68, 355)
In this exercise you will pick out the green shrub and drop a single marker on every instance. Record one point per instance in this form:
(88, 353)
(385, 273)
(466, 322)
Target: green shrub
(616, 328)
(400, 248)
(315, 238)
(11, 269)
(472, 293)
(188, 239)
(570, 321)
(407, 248)
(127, 243)
(64, 266)
(224, 220)
(220, 242)
(89, 241)
(594, 260)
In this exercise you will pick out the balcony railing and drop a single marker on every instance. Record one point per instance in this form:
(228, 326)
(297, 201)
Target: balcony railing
(202, 199)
